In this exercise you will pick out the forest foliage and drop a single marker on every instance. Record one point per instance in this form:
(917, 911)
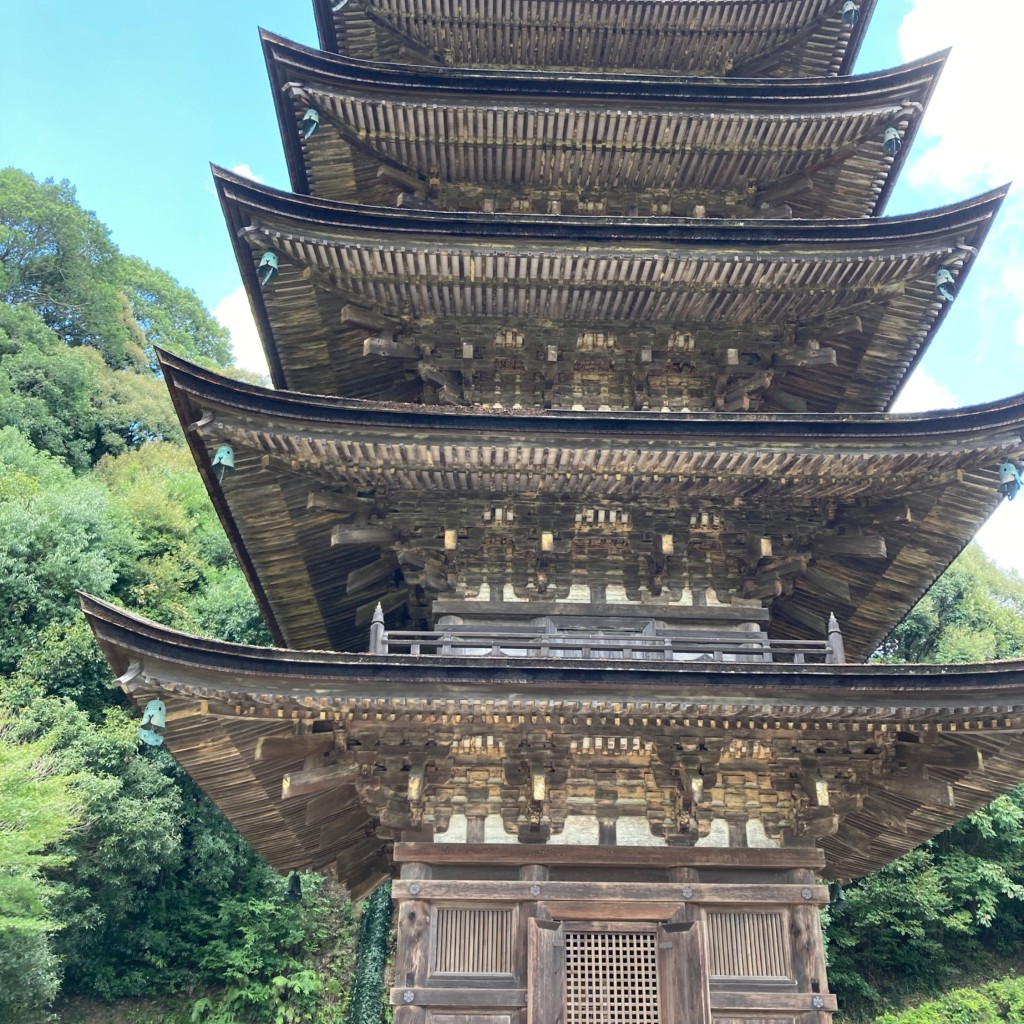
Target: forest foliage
(120, 879)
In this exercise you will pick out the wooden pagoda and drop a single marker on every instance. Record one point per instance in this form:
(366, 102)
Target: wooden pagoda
(577, 509)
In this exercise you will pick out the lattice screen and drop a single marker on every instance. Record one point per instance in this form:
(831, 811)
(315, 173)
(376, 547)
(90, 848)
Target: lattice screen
(611, 977)
(748, 944)
(473, 941)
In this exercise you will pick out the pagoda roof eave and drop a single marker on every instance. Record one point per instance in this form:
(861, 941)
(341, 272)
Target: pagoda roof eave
(387, 77)
(950, 233)
(876, 689)
(906, 90)
(933, 742)
(237, 192)
(837, 46)
(943, 466)
(978, 424)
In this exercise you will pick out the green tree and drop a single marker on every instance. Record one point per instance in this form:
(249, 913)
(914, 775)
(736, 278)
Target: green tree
(58, 533)
(38, 808)
(59, 260)
(974, 612)
(172, 317)
(97, 492)
(366, 1005)
(68, 401)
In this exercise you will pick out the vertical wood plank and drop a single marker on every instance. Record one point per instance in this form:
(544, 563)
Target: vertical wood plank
(545, 973)
(685, 996)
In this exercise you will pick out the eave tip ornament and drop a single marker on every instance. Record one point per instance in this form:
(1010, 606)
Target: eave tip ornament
(154, 717)
(1009, 480)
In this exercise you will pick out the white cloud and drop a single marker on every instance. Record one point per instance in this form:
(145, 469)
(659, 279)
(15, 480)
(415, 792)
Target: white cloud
(245, 171)
(971, 121)
(923, 393)
(999, 538)
(233, 312)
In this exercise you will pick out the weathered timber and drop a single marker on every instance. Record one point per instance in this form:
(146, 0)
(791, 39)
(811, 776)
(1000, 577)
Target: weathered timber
(766, 150)
(637, 283)
(289, 748)
(693, 37)
(316, 780)
(694, 476)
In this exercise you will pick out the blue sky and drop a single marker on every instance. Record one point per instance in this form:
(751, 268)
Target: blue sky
(132, 101)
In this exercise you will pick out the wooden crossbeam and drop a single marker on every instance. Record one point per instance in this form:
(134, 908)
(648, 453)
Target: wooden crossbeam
(367, 575)
(388, 348)
(289, 748)
(344, 535)
(851, 545)
(358, 316)
(316, 780)
(791, 358)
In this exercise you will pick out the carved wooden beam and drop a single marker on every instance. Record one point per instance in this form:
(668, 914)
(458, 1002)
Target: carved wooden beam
(850, 545)
(359, 316)
(448, 390)
(810, 355)
(919, 756)
(816, 788)
(381, 569)
(316, 780)
(290, 748)
(388, 348)
(344, 535)
(332, 501)
(408, 182)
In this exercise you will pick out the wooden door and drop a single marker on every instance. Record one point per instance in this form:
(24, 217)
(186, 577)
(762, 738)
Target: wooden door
(683, 982)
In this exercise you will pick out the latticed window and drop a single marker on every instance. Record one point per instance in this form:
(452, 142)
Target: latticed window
(611, 977)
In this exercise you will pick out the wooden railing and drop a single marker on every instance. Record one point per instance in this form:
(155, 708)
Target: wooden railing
(468, 641)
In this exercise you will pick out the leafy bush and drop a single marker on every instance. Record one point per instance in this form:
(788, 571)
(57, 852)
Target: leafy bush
(994, 1003)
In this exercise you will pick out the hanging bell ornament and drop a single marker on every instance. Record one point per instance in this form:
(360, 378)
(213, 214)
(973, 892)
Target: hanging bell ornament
(310, 123)
(1009, 480)
(154, 717)
(892, 142)
(945, 286)
(267, 268)
(224, 461)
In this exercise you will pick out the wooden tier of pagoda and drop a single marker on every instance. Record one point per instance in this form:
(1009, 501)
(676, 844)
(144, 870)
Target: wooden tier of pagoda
(596, 312)
(336, 504)
(325, 759)
(593, 143)
(716, 38)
